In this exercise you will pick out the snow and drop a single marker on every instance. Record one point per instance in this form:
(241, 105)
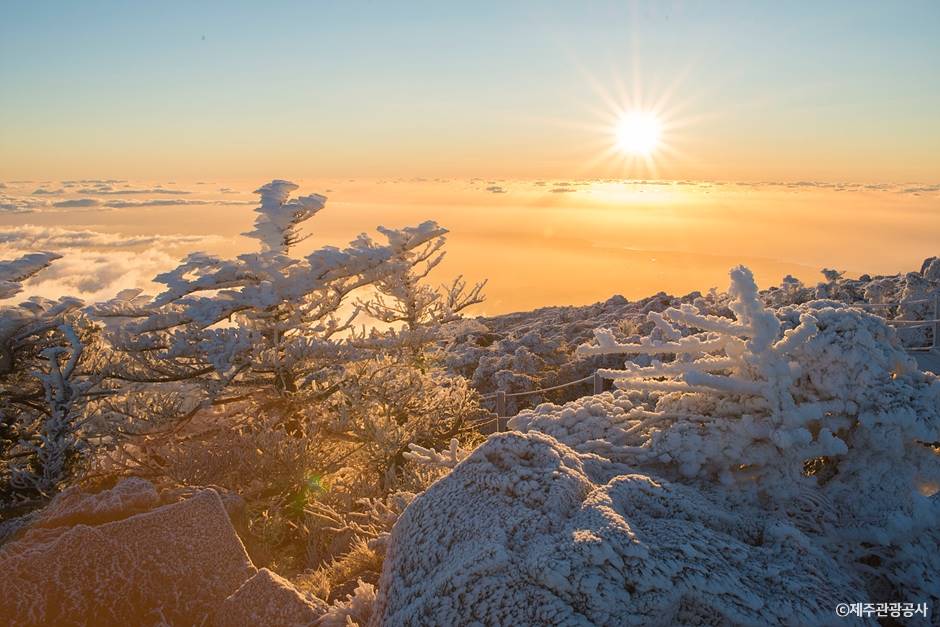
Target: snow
(751, 473)
(276, 226)
(14, 272)
(530, 350)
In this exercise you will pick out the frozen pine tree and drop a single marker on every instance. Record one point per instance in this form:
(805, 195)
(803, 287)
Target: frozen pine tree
(413, 313)
(277, 226)
(265, 324)
(48, 387)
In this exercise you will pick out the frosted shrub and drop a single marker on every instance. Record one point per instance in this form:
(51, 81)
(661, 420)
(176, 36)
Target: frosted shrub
(490, 356)
(383, 408)
(816, 410)
(413, 314)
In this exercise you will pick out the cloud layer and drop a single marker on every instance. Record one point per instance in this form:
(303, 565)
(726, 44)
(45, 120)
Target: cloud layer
(95, 265)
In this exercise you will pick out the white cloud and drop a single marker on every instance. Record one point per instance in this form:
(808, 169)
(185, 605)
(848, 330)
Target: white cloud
(170, 202)
(95, 276)
(95, 181)
(33, 203)
(16, 204)
(95, 265)
(920, 189)
(31, 237)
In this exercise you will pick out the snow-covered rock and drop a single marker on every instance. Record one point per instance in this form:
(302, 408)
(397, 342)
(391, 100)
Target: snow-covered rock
(270, 600)
(171, 565)
(753, 468)
(528, 532)
(74, 506)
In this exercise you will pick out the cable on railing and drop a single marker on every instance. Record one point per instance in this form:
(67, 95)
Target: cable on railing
(540, 390)
(914, 323)
(500, 396)
(528, 392)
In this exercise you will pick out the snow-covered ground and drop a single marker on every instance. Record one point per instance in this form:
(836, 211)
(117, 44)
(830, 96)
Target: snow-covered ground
(536, 349)
(782, 463)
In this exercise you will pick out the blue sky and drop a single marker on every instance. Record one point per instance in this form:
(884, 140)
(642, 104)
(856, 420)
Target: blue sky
(836, 90)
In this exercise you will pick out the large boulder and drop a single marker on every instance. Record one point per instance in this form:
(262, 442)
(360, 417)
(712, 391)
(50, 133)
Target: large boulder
(98, 559)
(73, 506)
(526, 531)
(270, 600)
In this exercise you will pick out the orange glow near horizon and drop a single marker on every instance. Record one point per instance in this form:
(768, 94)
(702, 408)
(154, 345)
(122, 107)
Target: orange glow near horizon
(547, 242)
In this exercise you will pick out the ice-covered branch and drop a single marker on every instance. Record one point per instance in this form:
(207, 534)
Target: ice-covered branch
(277, 225)
(690, 344)
(447, 459)
(14, 272)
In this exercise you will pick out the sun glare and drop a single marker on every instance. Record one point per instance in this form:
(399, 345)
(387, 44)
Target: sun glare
(638, 133)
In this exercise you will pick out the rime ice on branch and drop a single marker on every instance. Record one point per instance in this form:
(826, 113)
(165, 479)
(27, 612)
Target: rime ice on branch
(749, 395)
(44, 390)
(277, 225)
(269, 336)
(14, 272)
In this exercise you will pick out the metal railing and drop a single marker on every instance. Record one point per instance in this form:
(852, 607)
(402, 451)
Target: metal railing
(934, 324)
(500, 396)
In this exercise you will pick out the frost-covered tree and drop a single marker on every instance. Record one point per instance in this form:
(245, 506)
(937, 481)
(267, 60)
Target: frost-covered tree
(247, 374)
(414, 313)
(47, 388)
(264, 327)
(401, 297)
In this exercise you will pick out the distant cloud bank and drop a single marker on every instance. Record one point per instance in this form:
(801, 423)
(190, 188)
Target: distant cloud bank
(94, 265)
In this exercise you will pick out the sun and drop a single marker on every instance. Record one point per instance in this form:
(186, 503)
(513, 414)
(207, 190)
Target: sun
(638, 133)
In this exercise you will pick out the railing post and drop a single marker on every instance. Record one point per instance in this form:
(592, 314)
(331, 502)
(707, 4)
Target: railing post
(500, 408)
(598, 382)
(936, 320)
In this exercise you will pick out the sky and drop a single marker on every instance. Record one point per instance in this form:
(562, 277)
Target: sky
(792, 136)
(837, 91)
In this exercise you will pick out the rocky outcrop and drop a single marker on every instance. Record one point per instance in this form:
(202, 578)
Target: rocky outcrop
(173, 564)
(268, 599)
(73, 506)
(130, 555)
(528, 532)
